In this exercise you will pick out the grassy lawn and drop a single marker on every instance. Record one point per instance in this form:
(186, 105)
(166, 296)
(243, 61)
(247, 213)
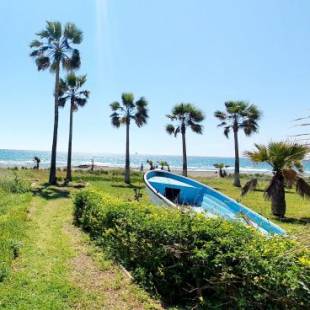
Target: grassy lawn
(48, 263)
(57, 266)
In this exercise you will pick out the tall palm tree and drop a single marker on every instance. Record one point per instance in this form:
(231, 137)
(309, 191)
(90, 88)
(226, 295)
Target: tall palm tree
(70, 90)
(53, 49)
(285, 158)
(125, 112)
(185, 115)
(238, 115)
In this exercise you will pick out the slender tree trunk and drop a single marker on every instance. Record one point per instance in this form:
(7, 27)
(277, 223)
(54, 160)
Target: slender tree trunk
(127, 160)
(237, 160)
(276, 192)
(69, 159)
(183, 131)
(52, 177)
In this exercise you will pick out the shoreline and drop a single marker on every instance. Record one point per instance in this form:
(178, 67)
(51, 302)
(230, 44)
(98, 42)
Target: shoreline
(191, 172)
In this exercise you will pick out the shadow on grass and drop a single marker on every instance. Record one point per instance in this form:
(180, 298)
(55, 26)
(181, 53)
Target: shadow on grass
(51, 192)
(131, 186)
(293, 220)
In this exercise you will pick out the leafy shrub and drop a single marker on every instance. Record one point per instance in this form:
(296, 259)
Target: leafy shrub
(189, 259)
(15, 185)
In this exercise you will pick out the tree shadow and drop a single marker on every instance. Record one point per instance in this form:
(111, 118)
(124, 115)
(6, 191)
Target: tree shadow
(293, 220)
(49, 193)
(130, 186)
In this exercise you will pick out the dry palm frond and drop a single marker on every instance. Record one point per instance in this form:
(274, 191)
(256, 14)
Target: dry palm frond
(290, 177)
(302, 188)
(249, 186)
(274, 187)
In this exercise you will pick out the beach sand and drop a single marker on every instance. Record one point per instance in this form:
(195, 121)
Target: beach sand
(191, 173)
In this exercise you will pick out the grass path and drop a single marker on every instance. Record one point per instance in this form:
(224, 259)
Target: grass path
(58, 267)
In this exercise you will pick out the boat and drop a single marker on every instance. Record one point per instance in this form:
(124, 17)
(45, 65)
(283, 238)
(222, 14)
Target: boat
(169, 189)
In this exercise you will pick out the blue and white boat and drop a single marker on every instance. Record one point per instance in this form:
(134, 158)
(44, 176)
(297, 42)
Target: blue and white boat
(174, 190)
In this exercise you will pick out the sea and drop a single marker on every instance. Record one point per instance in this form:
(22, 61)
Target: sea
(20, 158)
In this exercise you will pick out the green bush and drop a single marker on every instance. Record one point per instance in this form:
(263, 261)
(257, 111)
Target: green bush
(191, 260)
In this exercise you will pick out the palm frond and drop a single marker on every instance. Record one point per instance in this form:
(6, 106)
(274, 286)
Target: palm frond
(42, 62)
(35, 44)
(279, 155)
(128, 100)
(115, 106)
(197, 128)
(275, 186)
(249, 186)
(170, 129)
(62, 101)
(72, 33)
(220, 115)
(73, 62)
(227, 131)
(80, 102)
(54, 30)
(302, 188)
(249, 126)
(115, 119)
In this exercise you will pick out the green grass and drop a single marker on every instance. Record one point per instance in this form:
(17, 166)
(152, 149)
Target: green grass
(13, 222)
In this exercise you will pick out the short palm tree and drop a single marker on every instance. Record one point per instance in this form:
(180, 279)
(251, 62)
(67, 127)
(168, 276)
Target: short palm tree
(186, 116)
(238, 115)
(125, 112)
(285, 158)
(163, 164)
(70, 90)
(221, 167)
(53, 49)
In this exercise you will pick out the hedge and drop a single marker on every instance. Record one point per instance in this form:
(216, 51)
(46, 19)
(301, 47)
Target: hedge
(190, 260)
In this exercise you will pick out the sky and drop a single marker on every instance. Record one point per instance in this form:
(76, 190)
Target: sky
(199, 51)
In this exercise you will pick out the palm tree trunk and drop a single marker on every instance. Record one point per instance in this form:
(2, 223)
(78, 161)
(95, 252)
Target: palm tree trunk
(184, 151)
(127, 160)
(52, 177)
(276, 192)
(237, 160)
(69, 159)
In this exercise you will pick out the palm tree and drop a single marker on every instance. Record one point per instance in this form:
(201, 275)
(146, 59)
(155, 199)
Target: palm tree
(151, 164)
(221, 167)
(70, 90)
(125, 112)
(51, 50)
(238, 115)
(163, 164)
(285, 158)
(186, 115)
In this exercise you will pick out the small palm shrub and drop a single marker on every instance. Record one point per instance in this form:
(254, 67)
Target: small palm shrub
(190, 260)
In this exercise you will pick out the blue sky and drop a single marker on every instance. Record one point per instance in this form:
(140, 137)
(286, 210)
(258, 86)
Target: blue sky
(200, 51)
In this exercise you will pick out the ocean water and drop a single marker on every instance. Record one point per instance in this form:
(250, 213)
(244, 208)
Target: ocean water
(12, 158)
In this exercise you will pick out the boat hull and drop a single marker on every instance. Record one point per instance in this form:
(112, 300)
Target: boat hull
(166, 188)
